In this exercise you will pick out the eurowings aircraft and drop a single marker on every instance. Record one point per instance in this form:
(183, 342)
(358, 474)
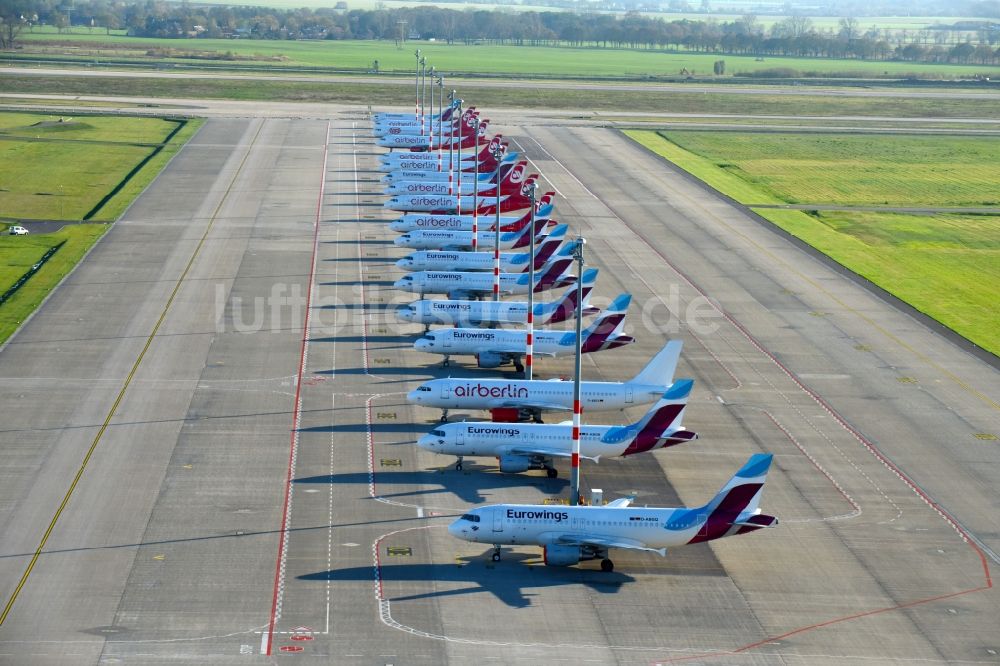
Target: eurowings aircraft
(490, 313)
(494, 347)
(510, 262)
(417, 221)
(459, 284)
(532, 397)
(569, 534)
(522, 446)
(462, 240)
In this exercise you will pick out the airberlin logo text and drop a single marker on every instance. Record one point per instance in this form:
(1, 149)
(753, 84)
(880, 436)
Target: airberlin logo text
(557, 516)
(481, 391)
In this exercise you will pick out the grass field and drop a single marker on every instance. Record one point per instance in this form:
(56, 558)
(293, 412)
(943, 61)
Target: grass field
(61, 171)
(18, 253)
(61, 167)
(896, 170)
(359, 55)
(528, 96)
(947, 266)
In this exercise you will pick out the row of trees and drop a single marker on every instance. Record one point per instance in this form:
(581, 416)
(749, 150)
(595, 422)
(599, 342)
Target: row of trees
(793, 36)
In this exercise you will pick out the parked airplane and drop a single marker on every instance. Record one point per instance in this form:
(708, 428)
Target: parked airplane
(569, 534)
(462, 240)
(522, 446)
(458, 284)
(510, 262)
(532, 397)
(494, 347)
(491, 313)
(447, 203)
(416, 221)
(487, 170)
(386, 115)
(412, 125)
(510, 183)
(417, 142)
(422, 161)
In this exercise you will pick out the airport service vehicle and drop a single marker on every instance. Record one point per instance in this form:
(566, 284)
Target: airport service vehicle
(462, 240)
(468, 139)
(423, 161)
(491, 313)
(462, 284)
(532, 397)
(17, 230)
(510, 262)
(418, 221)
(570, 534)
(510, 183)
(522, 446)
(494, 347)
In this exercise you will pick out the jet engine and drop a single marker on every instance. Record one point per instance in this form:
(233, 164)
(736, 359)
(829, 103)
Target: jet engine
(514, 464)
(561, 556)
(489, 359)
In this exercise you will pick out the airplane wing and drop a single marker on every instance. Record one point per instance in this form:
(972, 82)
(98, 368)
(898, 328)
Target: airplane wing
(620, 503)
(542, 451)
(547, 406)
(582, 539)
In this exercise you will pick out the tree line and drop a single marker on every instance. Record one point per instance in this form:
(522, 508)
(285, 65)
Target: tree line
(793, 36)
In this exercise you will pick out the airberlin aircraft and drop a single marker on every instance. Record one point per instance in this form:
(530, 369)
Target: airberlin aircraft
(487, 169)
(413, 126)
(423, 142)
(407, 161)
(510, 262)
(522, 446)
(532, 397)
(462, 240)
(571, 534)
(417, 221)
(494, 347)
(514, 198)
(458, 284)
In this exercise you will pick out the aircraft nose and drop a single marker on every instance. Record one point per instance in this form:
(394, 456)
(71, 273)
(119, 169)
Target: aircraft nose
(401, 241)
(404, 263)
(455, 529)
(422, 344)
(404, 312)
(396, 225)
(426, 441)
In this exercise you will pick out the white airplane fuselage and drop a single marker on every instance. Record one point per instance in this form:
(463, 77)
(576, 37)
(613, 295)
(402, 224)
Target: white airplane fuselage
(431, 222)
(440, 260)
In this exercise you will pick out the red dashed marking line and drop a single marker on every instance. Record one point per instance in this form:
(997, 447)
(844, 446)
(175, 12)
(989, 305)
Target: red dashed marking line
(279, 573)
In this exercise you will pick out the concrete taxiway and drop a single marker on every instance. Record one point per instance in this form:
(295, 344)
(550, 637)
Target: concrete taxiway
(226, 367)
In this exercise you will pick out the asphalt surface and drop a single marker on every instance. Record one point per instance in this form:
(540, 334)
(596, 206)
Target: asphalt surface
(230, 509)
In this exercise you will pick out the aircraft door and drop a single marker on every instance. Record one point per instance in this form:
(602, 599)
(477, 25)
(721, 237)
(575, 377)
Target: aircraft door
(446, 391)
(628, 395)
(460, 438)
(497, 519)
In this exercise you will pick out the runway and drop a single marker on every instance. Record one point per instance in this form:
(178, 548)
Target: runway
(229, 356)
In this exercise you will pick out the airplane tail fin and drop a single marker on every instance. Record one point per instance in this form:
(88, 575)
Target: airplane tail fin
(552, 273)
(544, 251)
(661, 425)
(735, 508)
(596, 336)
(661, 368)
(564, 308)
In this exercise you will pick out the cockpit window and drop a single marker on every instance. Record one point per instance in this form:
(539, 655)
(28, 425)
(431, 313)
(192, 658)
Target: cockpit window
(429, 336)
(471, 517)
(437, 433)
(423, 388)
(407, 277)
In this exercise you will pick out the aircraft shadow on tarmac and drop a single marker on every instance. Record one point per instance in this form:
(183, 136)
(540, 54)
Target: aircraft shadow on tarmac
(372, 241)
(509, 580)
(408, 340)
(468, 485)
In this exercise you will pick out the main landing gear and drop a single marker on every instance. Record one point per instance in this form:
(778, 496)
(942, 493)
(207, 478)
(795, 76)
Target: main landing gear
(444, 416)
(446, 362)
(607, 565)
(496, 552)
(518, 366)
(551, 472)
(458, 465)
